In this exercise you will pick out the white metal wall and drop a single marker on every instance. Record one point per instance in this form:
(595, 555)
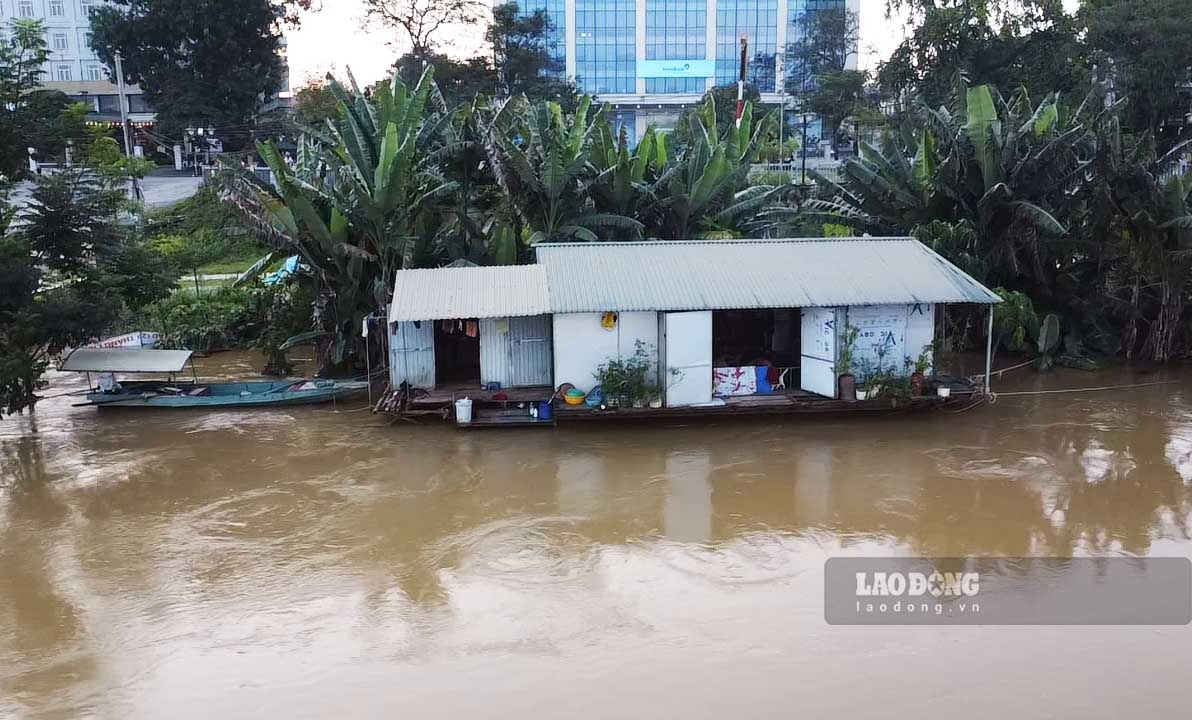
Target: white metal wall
(412, 354)
(688, 374)
(581, 344)
(902, 330)
(516, 352)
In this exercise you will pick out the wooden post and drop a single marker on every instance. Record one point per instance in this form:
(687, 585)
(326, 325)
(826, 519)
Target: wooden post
(989, 352)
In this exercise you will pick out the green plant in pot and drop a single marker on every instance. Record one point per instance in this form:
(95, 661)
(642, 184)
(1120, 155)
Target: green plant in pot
(921, 365)
(846, 382)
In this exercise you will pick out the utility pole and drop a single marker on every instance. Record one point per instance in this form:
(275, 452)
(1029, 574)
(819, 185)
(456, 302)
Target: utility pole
(741, 79)
(120, 90)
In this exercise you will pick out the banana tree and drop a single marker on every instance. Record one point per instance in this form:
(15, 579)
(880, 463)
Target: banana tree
(1009, 169)
(540, 158)
(705, 191)
(354, 202)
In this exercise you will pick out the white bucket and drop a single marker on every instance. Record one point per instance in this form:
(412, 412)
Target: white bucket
(463, 411)
(944, 392)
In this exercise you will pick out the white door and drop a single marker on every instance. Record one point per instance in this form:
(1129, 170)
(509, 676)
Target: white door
(817, 369)
(412, 354)
(688, 373)
(529, 351)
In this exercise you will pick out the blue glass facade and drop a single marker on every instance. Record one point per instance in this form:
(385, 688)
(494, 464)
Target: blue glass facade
(606, 46)
(676, 30)
(605, 57)
(757, 20)
(556, 36)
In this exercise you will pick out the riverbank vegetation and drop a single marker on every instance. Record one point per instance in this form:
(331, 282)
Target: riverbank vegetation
(1044, 152)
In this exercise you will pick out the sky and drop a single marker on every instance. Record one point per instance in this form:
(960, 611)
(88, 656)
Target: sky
(337, 37)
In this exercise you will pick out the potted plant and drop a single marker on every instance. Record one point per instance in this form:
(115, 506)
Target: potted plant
(922, 365)
(655, 398)
(846, 381)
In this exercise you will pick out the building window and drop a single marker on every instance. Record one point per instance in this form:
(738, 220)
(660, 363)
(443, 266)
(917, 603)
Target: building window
(757, 20)
(60, 42)
(556, 32)
(62, 73)
(94, 73)
(87, 38)
(85, 8)
(25, 8)
(57, 8)
(606, 46)
(676, 30)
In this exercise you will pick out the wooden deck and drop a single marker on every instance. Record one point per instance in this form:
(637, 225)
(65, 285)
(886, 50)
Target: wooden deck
(795, 403)
(510, 408)
(445, 397)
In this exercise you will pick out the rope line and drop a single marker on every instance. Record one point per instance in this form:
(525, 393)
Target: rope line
(995, 396)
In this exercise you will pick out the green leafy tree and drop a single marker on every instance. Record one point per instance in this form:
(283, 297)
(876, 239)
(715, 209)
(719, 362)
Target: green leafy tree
(211, 62)
(315, 104)
(705, 191)
(67, 271)
(1144, 48)
(540, 157)
(21, 59)
(525, 62)
(1005, 43)
(357, 203)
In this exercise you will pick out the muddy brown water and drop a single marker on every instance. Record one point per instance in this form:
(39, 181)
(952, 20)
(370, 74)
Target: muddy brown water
(319, 562)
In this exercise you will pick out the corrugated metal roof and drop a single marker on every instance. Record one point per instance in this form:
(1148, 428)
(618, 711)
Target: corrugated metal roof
(744, 274)
(126, 360)
(469, 292)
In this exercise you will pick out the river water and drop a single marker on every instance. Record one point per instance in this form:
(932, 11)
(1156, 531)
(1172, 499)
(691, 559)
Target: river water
(320, 562)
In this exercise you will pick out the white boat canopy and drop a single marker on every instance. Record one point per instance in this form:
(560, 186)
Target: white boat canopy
(126, 360)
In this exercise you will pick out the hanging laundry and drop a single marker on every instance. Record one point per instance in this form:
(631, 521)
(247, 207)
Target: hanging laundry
(473, 329)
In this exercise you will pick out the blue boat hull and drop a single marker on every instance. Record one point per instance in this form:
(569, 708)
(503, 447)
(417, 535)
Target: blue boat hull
(227, 395)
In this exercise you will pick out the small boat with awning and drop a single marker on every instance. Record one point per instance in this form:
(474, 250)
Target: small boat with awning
(111, 389)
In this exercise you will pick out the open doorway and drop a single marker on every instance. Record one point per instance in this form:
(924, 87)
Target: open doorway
(457, 352)
(756, 351)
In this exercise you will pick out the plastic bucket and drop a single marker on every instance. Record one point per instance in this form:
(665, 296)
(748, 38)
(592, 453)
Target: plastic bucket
(463, 411)
(545, 410)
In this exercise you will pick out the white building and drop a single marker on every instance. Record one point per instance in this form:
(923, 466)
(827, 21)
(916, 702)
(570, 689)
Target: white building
(73, 66)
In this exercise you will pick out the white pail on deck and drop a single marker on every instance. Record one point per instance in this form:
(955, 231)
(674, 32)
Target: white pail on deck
(463, 411)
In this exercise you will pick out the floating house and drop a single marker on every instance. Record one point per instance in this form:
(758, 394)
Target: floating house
(727, 326)
(466, 328)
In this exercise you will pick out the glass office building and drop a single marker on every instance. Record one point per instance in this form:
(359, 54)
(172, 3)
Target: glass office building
(650, 59)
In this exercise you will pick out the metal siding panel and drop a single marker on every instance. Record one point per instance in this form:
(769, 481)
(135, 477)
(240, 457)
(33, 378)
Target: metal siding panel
(412, 355)
(714, 275)
(470, 292)
(494, 352)
(530, 351)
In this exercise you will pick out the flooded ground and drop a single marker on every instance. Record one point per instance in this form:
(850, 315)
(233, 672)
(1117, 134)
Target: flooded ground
(319, 562)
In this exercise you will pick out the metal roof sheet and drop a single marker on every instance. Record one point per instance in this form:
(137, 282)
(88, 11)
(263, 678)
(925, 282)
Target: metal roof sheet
(126, 360)
(459, 293)
(745, 274)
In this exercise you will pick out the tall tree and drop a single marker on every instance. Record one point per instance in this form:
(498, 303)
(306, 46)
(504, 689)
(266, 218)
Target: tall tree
(1144, 47)
(197, 61)
(1005, 43)
(66, 269)
(525, 61)
(21, 60)
(424, 22)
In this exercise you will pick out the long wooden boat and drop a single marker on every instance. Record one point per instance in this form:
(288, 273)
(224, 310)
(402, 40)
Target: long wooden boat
(171, 393)
(148, 394)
